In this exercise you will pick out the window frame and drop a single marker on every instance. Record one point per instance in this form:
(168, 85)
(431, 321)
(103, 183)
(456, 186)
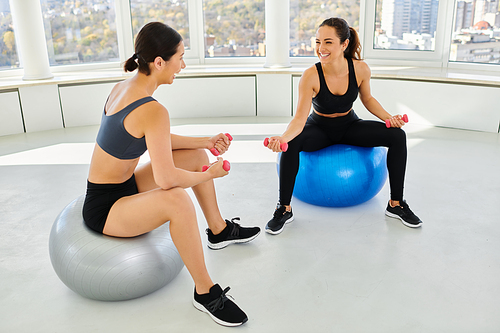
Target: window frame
(217, 61)
(124, 22)
(196, 54)
(429, 58)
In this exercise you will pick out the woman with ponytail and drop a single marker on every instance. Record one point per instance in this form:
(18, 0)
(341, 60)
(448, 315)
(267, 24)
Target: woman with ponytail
(332, 85)
(124, 199)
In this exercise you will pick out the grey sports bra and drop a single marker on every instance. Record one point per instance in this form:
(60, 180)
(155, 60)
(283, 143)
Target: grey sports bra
(114, 139)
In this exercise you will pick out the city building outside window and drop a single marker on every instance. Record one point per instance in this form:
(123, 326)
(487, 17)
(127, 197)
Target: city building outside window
(307, 15)
(234, 28)
(80, 31)
(406, 24)
(476, 32)
(8, 51)
(171, 12)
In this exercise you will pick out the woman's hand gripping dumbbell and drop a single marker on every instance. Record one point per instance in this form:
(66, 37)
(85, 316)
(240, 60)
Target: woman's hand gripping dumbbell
(283, 146)
(388, 121)
(214, 151)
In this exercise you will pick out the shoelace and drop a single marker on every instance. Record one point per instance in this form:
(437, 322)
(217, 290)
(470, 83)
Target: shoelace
(218, 303)
(280, 212)
(235, 227)
(406, 209)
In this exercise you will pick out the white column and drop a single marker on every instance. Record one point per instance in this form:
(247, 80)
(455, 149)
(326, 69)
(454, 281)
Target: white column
(277, 33)
(30, 37)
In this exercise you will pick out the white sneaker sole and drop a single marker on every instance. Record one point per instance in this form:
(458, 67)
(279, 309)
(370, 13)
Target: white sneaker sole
(269, 231)
(222, 245)
(395, 216)
(217, 320)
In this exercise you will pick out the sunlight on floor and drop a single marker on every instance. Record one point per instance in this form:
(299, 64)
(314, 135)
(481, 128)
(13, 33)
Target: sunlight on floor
(241, 151)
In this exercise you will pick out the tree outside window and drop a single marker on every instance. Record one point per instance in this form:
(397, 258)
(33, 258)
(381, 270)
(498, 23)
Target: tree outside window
(80, 31)
(8, 51)
(307, 15)
(234, 28)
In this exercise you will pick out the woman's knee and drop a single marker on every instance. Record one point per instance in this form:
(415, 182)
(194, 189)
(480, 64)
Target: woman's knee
(399, 134)
(176, 197)
(398, 137)
(200, 158)
(179, 206)
(175, 201)
(191, 159)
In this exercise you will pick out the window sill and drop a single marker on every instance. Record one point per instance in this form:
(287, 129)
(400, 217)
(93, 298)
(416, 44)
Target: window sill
(412, 73)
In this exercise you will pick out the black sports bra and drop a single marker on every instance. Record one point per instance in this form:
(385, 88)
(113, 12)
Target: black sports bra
(114, 139)
(327, 103)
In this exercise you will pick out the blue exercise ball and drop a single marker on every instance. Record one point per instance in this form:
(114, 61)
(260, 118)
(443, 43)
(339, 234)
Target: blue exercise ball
(341, 175)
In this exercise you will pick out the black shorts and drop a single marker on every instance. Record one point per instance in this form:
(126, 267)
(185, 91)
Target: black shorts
(101, 197)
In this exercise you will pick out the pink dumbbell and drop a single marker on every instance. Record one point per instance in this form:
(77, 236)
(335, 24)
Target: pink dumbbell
(283, 146)
(215, 152)
(388, 122)
(225, 165)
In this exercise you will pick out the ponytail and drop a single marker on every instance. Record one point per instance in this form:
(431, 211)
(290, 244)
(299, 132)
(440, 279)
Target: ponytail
(353, 50)
(131, 64)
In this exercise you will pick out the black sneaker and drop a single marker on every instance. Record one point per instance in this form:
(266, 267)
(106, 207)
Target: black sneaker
(222, 310)
(232, 233)
(404, 213)
(280, 218)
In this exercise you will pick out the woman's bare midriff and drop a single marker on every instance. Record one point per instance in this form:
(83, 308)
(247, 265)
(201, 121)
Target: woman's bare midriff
(332, 115)
(106, 169)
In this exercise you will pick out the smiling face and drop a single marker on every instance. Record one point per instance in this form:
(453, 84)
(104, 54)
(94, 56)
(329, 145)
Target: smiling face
(328, 45)
(173, 66)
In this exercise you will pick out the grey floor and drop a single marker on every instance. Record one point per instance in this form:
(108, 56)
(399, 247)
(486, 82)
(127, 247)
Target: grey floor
(331, 270)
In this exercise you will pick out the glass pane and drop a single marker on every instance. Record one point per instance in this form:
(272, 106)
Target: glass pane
(8, 51)
(307, 15)
(234, 28)
(171, 12)
(476, 33)
(80, 31)
(405, 24)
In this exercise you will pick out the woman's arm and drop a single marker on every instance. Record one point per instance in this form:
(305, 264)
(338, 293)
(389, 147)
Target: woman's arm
(296, 126)
(159, 142)
(188, 142)
(371, 104)
(220, 142)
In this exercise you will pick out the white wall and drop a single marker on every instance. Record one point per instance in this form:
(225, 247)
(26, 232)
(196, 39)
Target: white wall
(209, 97)
(41, 107)
(44, 107)
(83, 105)
(441, 104)
(274, 95)
(470, 107)
(11, 115)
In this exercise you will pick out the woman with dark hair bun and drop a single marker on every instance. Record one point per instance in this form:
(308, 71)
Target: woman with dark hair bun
(124, 199)
(332, 85)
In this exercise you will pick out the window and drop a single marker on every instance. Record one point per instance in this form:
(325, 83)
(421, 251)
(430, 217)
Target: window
(433, 33)
(8, 51)
(234, 28)
(80, 31)
(476, 32)
(307, 15)
(406, 24)
(171, 12)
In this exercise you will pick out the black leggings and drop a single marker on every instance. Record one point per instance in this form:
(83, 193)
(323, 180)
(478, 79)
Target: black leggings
(320, 132)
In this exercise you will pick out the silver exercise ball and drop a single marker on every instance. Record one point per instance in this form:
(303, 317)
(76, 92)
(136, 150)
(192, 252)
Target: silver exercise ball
(108, 268)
